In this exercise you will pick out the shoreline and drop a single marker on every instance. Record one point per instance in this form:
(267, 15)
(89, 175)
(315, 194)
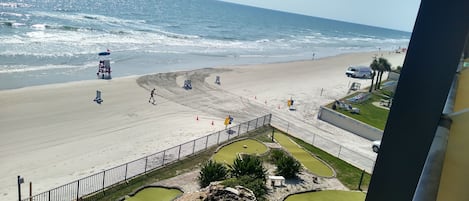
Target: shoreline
(188, 68)
(64, 135)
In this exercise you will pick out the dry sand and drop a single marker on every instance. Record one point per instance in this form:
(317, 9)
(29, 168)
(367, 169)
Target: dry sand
(55, 134)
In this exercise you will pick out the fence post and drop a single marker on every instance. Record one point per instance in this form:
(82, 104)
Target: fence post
(104, 178)
(288, 127)
(340, 149)
(247, 130)
(146, 163)
(193, 147)
(179, 152)
(239, 129)
(206, 142)
(78, 189)
(263, 122)
(270, 119)
(125, 177)
(361, 179)
(164, 154)
(49, 195)
(218, 140)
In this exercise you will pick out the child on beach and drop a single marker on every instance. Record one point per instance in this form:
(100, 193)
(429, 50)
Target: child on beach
(151, 96)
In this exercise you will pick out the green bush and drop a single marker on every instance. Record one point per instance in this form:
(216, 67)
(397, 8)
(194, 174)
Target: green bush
(256, 185)
(248, 166)
(275, 155)
(287, 166)
(212, 171)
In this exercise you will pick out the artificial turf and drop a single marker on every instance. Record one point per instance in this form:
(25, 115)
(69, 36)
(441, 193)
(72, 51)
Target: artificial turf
(328, 196)
(311, 163)
(228, 153)
(155, 194)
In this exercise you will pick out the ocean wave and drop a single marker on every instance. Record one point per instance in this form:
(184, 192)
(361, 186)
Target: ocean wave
(11, 14)
(265, 40)
(24, 68)
(177, 36)
(38, 26)
(90, 17)
(86, 18)
(12, 24)
(14, 5)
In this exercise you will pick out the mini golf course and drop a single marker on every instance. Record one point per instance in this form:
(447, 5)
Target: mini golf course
(328, 196)
(311, 163)
(228, 153)
(155, 194)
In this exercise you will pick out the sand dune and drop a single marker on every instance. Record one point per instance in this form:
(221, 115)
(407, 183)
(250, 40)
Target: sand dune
(54, 134)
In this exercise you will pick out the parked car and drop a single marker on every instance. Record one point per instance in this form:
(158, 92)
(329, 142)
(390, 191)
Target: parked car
(376, 145)
(359, 72)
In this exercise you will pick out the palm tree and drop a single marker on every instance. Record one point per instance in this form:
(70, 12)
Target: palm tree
(385, 66)
(248, 166)
(374, 66)
(212, 171)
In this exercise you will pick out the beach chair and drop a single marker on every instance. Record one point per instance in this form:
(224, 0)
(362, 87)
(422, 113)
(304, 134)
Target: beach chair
(187, 84)
(217, 80)
(98, 98)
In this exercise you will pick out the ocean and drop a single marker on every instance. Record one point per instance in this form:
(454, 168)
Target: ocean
(55, 41)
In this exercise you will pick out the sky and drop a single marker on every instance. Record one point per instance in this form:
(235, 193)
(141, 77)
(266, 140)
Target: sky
(392, 14)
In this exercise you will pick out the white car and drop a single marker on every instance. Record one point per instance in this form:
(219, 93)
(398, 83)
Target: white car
(376, 145)
(359, 72)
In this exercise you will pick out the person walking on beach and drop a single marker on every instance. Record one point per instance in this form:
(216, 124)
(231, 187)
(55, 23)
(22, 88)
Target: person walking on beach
(152, 98)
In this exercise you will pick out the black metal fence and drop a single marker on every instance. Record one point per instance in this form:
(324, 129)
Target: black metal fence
(100, 181)
(358, 160)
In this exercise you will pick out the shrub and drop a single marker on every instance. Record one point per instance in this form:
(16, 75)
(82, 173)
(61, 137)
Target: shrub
(211, 171)
(256, 185)
(248, 166)
(275, 155)
(288, 167)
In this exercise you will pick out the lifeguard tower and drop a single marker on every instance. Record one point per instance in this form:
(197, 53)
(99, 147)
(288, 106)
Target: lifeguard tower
(104, 67)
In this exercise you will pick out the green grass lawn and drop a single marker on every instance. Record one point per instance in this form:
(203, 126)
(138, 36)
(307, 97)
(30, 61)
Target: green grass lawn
(328, 196)
(369, 114)
(228, 153)
(155, 194)
(311, 163)
(348, 174)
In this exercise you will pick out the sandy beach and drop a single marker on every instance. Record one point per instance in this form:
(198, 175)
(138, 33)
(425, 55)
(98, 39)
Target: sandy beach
(54, 134)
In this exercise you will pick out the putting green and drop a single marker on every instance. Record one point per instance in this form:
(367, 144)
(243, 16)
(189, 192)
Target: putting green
(311, 163)
(155, 194)
(228, 153)
(328, 196)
